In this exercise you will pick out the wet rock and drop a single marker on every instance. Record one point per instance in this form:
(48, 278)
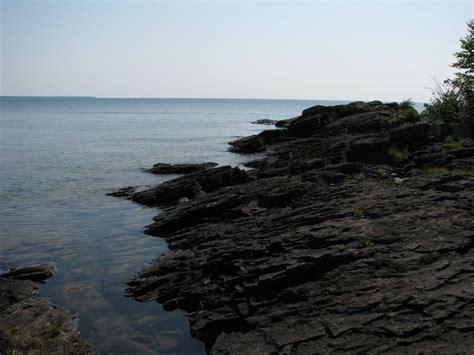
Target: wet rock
(125, 192)
(40, 272)
(265, 121)
(34, 326)
(162, 168)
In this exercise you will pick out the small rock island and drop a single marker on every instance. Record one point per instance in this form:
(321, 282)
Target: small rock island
(354, 234)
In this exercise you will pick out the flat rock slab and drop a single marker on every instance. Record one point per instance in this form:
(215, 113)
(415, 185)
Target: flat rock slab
(265, 121)
(164, 169)
(124, 192)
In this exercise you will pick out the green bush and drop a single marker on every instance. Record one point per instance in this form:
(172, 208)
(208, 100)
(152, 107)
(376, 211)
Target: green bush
(407, 110)
(446, 104)
(453, 144)
(406, 104)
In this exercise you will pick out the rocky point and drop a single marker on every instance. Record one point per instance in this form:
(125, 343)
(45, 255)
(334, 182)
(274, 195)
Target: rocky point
(354, 234)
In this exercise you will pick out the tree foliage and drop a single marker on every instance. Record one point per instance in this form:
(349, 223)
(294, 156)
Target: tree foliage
(454, 101)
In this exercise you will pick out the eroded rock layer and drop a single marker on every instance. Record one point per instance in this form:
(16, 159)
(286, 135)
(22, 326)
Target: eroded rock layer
(354, 234)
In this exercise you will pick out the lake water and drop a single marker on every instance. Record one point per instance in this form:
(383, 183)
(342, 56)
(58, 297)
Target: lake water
(58, 159)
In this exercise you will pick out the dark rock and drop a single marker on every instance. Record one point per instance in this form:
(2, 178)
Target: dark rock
(14, 291)
(125, 192)
(461, 130)
(416, 134)
(331, 245)
(285, 123)
(162, 168)
(363, 122)
(258, 143)
(248, 145)
(191, 185)
(307, 125)
(265, 121)
(40, 272)
(439, 130)
(376, 103)
(371, 150)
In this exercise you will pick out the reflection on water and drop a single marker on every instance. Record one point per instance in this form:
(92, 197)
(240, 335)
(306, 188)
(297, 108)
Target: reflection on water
(58, 159)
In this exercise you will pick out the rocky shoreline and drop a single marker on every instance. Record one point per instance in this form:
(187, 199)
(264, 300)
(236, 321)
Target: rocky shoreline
(354, 234)
(33, 325)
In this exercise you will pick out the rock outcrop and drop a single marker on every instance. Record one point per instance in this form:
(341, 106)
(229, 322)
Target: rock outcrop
(354, 234)
(31, 325)
(164, 169)
(265, 121)
(191, 186)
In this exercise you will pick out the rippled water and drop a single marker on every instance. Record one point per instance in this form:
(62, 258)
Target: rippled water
(58, 159)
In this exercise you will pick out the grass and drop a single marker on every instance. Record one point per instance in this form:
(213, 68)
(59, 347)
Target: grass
(364, 243)
(399, 153)
(453, 144)
(358, 211)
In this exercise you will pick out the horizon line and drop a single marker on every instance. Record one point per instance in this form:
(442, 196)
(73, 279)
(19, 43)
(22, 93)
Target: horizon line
(186, 98)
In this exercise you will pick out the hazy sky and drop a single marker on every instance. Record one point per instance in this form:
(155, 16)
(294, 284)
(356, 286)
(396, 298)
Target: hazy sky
(311, 50)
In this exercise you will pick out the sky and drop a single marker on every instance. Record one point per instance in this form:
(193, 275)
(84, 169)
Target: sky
(348, 50)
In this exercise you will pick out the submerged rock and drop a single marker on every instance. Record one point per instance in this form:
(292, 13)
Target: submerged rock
(40, 272)
(347, 237)
(34, 326)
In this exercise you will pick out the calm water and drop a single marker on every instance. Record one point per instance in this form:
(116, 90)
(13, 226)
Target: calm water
(58, 159)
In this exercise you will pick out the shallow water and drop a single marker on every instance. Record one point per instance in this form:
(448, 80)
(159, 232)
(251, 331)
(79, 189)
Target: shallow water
(58, 159)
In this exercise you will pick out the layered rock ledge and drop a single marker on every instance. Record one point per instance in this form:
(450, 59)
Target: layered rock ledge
(164, 168)
(354, 234)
